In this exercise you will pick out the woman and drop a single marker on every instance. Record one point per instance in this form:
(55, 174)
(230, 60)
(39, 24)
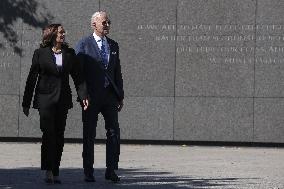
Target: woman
(49, 77)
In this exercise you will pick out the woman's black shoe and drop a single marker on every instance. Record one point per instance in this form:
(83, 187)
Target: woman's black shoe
(89, 178)
(49, 177)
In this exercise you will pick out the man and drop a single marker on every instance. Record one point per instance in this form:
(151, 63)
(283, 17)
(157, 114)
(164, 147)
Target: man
(99, 56)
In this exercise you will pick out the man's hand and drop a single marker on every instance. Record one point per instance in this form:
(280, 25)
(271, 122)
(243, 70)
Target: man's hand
(85, 104)
(26, 111)
(120, 105)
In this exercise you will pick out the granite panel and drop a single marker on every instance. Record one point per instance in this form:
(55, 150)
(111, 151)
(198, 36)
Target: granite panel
(29, 126)
(132, 16)
(9, 65)
(269, 75)
(10, 48)
(269, 67)
(11, 15)
(30, 41)
(101, 131)
(221, 12)
(215, 48)
(270, 13)
(269, 120)
(74, 15)
(213, 119)
(147, 118)
(147, 66)
(9, 105)
(74, 124)
(211, 74)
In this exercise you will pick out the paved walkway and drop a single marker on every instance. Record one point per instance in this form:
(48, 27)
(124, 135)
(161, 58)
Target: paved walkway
(150, 166)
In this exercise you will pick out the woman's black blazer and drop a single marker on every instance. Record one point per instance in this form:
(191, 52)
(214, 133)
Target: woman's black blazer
(50, 83)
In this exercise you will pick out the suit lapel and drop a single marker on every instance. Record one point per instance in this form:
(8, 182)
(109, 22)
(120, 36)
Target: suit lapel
(96, 50)
(111, 51)
(51, 59)
(64, 59)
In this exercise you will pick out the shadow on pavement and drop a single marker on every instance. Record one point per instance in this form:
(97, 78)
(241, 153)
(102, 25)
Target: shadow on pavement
(29, 178)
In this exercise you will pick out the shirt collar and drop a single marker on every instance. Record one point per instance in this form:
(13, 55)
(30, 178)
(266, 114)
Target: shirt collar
(97, 38)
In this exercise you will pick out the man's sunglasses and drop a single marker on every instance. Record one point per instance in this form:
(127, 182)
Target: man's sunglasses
(107, 22)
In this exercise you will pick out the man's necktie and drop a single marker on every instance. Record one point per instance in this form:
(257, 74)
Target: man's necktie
(104, 54)
(105, 60)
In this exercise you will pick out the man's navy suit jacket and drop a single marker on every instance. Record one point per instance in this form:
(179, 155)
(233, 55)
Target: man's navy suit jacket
(89, 55)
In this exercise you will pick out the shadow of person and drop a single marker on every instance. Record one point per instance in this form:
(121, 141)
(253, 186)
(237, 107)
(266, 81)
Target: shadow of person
(32, 178)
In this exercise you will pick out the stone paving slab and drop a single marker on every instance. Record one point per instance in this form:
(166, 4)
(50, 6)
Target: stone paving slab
(150, 166)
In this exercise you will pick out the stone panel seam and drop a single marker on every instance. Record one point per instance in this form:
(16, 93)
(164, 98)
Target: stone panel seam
(189, 96)
(254, 95)
(224, 97)
(259, 97)
(19, 87)
(175, 71)
(100, 5)
(9, 94)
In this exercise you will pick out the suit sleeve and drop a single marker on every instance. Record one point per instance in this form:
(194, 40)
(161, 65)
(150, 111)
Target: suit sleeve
(31, 80)
(77, 76)
(118, 76)
(80, 55)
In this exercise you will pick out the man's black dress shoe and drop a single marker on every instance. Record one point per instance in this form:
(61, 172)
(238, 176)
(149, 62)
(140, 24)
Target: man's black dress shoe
(56, 180)
(89, 178)
(111, 175)
(48, 181)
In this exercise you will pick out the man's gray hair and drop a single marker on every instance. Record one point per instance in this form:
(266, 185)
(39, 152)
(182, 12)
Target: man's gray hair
(96, 15)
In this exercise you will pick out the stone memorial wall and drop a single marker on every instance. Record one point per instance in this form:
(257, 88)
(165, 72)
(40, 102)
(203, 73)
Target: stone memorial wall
(193, 70)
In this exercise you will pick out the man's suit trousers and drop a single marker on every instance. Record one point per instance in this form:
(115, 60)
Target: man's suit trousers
(108, 107)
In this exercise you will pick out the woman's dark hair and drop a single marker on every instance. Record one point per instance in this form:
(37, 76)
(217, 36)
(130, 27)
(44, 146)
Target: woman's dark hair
(49, 34)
